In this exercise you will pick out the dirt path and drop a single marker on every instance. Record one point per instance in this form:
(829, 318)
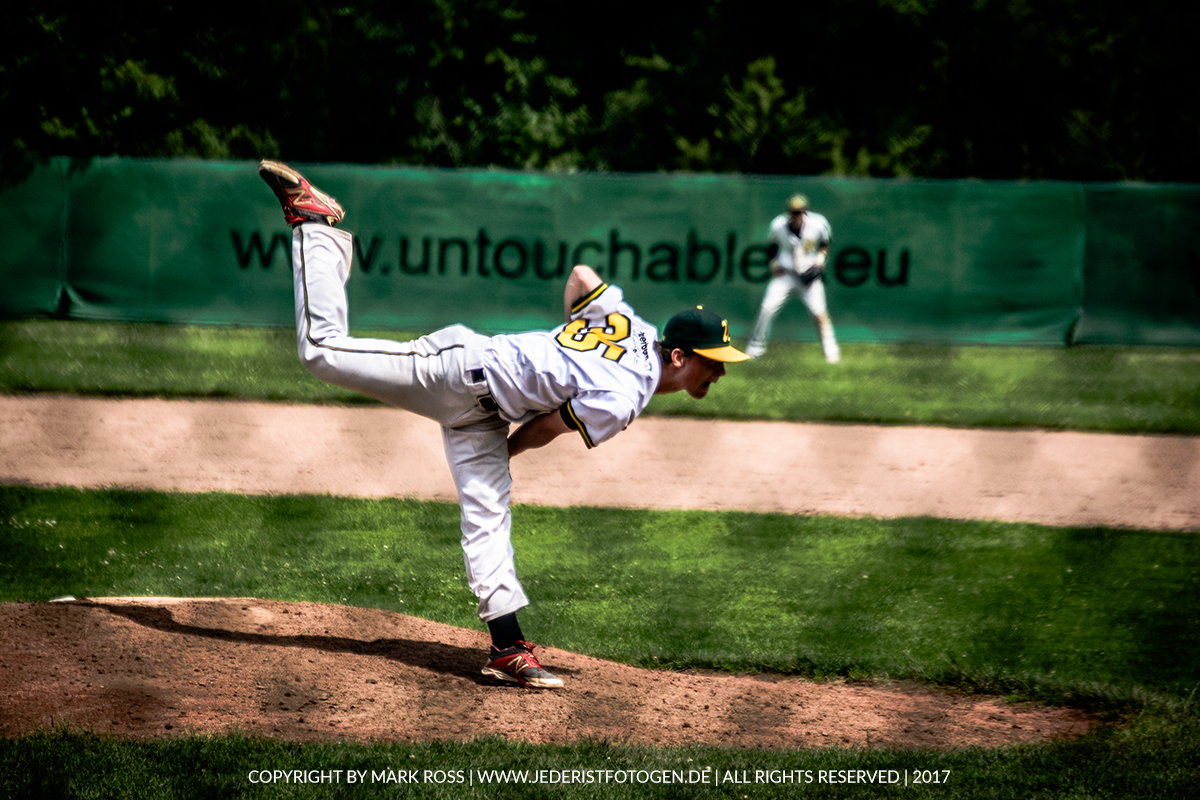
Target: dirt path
(144, 667)
(1054, 478)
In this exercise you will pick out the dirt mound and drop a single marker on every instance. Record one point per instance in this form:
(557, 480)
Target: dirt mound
(154, 667)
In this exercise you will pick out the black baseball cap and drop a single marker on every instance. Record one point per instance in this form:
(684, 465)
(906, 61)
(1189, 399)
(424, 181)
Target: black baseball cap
(698, 330)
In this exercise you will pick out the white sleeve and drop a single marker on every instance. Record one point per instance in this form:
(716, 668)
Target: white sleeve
(599, 415)
(778, 234)
(598, 303)
(824, 234)
(781, 236)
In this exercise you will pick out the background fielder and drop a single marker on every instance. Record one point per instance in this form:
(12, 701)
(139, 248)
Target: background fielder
(797, 246)
(593, 375)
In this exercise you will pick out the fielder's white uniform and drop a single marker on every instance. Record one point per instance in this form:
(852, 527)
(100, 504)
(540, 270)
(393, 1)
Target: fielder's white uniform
(798, 253)
(599, 371)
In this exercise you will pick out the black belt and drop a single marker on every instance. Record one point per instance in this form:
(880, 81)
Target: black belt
(486, 401)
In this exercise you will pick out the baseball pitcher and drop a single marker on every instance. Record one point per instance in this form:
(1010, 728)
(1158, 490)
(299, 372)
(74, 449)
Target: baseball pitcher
(591, 376)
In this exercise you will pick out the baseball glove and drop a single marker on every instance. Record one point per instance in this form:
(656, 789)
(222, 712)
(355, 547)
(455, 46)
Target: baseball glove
(811, 274)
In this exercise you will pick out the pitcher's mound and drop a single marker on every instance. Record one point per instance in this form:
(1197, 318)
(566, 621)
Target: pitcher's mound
(149, 667)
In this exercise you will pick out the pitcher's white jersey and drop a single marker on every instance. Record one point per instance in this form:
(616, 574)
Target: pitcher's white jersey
(600, 369)
(798, 251)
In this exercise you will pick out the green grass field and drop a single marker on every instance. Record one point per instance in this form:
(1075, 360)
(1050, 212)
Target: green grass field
(1147, 390)
(1102, 619)
(65, 765)
(999, 607)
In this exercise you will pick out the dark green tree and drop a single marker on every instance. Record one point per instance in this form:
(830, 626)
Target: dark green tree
(1002, 89)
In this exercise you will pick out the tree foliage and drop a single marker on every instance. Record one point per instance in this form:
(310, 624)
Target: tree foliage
(1004, 89)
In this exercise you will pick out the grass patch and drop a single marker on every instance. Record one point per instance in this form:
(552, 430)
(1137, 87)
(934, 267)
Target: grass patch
(1089, 616)
(1113, 389)
(142, 359)
(1119, 389)
(73, 764)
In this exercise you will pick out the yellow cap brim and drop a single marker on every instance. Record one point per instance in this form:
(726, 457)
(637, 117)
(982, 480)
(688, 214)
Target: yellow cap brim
(727, 354)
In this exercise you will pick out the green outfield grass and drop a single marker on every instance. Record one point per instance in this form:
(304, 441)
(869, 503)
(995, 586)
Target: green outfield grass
(1145, 390)
(55, 765)
(1086, 615)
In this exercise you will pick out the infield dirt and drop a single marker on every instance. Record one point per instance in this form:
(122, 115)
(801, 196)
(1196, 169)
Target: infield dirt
(145, 667)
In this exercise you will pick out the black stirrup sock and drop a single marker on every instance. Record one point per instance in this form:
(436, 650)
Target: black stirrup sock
(506, 631)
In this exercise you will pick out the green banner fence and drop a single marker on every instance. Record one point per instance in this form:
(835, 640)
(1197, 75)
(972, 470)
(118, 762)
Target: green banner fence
(915, 261)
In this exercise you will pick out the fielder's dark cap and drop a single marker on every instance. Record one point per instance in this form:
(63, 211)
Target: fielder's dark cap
(797, 203)
(698, 330)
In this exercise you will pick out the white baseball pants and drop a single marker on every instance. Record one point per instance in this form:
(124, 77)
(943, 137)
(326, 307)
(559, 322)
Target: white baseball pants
(434, 376)
(776, 296)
